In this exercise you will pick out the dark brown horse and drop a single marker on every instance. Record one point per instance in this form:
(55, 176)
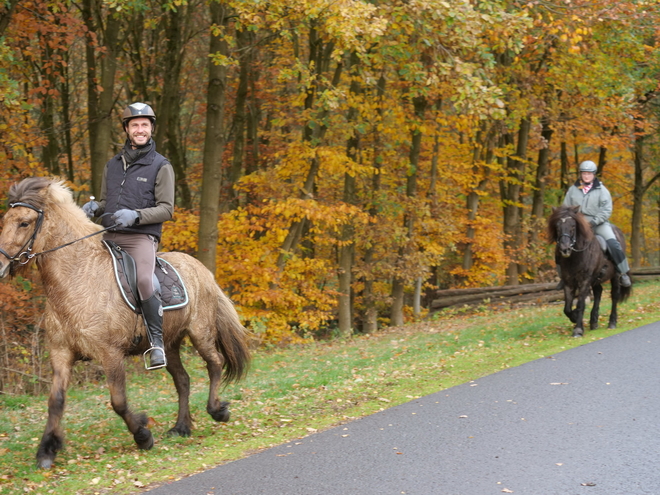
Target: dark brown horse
(86, 317)
(584, 266)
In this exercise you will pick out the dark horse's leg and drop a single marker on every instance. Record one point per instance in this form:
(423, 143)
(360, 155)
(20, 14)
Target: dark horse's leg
(53, 438)
(578, 330)
(616, 297)
(183, 426)
(113, 365)
(595, 309)
(568, 303)
(219, 410)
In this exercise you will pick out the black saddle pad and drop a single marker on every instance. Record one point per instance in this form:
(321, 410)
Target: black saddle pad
(172, 288)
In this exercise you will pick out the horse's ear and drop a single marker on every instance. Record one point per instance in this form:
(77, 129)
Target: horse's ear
(575, 209)
(554, 209)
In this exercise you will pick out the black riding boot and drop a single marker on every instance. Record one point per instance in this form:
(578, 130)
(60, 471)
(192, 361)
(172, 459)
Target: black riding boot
(152, 310)
(619, 259)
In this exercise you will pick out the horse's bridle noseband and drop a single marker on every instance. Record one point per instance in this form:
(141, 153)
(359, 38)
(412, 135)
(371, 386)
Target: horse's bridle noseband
(25, 254)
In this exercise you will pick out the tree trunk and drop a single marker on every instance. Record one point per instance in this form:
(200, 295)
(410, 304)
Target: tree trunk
(370, 315)
(398, 283)
(564, 179)
(214, 142)
(512, 188)
(168, 140)
(638, 198)
(234, 172)
(602, 161)
(51, 151)
(65, 115)
(347, 246)
(538, 199)
(100, 83)
(482, 152)
(6, 12)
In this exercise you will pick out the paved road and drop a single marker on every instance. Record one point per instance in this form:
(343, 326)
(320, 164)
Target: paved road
(583, 422)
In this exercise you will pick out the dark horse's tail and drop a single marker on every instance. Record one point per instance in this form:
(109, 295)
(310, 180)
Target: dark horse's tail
(624, 293)
(231, 340)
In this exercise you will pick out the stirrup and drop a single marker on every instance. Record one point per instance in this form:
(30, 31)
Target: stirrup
(144, 356)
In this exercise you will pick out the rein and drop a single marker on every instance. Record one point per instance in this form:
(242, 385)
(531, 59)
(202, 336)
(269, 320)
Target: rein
(25, 253)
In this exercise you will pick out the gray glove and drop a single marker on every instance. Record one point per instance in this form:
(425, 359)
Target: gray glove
(90, 208)
(125, 218)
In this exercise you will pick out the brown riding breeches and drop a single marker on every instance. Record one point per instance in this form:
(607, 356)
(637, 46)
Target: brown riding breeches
(142, 248)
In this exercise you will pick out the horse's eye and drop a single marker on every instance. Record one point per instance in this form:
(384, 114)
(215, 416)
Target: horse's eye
(24, 224)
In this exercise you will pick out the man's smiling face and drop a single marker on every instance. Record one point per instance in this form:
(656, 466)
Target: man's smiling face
(139, 131)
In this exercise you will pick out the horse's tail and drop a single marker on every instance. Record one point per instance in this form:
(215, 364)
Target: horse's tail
(624, 293)
(231, 339)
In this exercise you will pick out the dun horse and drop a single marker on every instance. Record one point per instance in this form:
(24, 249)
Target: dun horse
(584, 266)
(86, 317)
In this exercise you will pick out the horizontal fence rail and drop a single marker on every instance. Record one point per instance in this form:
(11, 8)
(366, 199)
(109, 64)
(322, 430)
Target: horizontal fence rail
(542, 293)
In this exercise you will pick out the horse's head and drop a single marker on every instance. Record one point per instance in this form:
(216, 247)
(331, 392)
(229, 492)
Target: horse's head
(24, 219)
(568, 227)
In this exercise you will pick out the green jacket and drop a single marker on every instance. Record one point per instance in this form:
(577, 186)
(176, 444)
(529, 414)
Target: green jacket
(596, 205)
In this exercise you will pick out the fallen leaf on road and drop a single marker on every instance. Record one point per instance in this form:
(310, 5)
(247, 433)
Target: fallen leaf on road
(506, 490)
(590, 483)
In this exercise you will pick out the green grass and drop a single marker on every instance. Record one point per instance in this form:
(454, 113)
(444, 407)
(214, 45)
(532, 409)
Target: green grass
(288, 394)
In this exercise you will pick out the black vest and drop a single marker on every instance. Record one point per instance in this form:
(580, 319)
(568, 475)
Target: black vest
(133, 189)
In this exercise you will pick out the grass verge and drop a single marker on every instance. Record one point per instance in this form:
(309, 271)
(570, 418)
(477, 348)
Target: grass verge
(288, 394)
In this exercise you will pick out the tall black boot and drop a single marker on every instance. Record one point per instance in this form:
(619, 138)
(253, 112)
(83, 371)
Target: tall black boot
(619, 259)
(152, 310)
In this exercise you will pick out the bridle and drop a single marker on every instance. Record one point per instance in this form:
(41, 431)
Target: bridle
(571, 237)
(25, 253)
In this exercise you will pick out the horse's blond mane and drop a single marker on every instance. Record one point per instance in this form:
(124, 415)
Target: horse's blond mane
(60, 193)
(50, 194)
(39, 191)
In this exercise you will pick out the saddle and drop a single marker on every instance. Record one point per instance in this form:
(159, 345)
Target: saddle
(172, 289)
(603, 244)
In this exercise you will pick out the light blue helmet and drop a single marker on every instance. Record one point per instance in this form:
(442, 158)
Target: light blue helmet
(588, 166)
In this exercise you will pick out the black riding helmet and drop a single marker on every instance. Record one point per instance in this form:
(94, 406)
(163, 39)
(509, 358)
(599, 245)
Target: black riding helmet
(138, 109)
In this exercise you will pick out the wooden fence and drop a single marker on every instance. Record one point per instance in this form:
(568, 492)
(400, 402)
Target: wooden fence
(516, 294)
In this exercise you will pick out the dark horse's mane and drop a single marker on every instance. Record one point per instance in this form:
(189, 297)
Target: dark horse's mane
(30, 191)
(584, 231)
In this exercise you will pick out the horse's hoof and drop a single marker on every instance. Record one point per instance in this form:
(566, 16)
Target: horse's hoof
(578, 332)
(221, 414)
(611, 326)
(144, 439)
(44, 463)
(179, 431)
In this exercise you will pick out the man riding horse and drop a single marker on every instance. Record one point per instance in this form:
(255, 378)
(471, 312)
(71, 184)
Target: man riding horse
(595, 204)
(138, 191)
